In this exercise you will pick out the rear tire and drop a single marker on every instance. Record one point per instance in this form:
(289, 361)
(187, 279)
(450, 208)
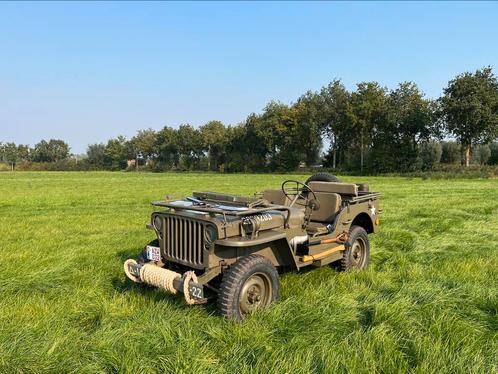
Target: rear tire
(322, 177)
(251, 284)
(357, 252)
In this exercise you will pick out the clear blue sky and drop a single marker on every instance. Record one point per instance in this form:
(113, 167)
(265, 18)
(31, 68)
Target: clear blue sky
(85, 72)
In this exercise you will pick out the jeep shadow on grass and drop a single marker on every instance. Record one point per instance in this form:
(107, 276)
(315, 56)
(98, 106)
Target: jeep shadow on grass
(232, 248)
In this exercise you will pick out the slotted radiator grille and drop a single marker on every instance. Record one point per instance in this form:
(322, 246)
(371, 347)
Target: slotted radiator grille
(184, 240)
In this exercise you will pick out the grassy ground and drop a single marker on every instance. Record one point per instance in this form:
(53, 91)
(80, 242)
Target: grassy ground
(428, 302)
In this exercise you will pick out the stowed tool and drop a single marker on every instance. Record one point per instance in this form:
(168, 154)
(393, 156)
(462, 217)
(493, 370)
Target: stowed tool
(340, 239)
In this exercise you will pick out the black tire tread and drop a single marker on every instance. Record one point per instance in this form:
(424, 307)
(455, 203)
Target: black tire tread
(231, 280)
(354, 232)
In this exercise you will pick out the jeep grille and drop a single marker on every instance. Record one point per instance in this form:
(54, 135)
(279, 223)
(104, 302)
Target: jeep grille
(183, 240)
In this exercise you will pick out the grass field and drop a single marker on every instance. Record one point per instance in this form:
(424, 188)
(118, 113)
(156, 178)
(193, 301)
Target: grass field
(428, 303)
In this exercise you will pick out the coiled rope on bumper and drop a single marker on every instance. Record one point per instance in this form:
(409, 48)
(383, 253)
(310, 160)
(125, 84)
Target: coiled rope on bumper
(162, 278)
(189, 276)
(127, 271)
(159, 277)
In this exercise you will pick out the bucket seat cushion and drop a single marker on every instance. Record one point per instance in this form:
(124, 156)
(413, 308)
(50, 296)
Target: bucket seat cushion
(275, 197)
(330, 205)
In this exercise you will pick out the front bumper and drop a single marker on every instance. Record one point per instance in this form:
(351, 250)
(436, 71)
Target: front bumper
(167, 280)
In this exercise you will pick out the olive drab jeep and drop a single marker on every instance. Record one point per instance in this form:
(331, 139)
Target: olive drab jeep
(232, 248)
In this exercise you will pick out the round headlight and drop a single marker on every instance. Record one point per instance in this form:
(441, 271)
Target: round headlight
(210, 235)
(157, 223)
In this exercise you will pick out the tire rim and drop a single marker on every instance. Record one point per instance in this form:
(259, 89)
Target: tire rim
(255, 294)
(358, 253)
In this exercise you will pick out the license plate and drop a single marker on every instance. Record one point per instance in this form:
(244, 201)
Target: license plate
(134, 270)
(197, 292)
(153, 253)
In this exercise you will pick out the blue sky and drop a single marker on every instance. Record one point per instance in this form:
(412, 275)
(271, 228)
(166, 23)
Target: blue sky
(85, 72)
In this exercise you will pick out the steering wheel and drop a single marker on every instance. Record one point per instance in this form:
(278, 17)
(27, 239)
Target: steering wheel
(295, 190)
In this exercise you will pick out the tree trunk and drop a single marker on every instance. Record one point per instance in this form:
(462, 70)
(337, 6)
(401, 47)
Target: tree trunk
(467, 155)
(334, 153)
(209, 158)
(361, 152)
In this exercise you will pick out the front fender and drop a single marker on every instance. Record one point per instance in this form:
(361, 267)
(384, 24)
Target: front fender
(270, 244)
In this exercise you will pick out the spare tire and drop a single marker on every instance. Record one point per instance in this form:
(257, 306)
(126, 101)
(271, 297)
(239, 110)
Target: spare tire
(322, 177)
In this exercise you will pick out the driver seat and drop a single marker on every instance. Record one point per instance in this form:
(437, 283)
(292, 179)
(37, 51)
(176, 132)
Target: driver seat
(330, 205)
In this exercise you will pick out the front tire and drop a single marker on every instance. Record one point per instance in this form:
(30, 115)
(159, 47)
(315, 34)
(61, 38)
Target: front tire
(251, 284)
(357, 252)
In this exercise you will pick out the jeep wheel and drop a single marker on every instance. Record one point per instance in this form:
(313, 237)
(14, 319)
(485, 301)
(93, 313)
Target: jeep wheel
(322, 177)
(250, 284)
(357, 253)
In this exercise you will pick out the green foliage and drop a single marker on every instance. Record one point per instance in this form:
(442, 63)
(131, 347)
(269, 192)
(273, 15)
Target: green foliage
(189, 142)
(481, 154)
(470, 109)
(117, 153)
(450, 152)
(167, 148)
(61, 165)
(371, 130)
(144, 144)
(214, 141)
(310, 125)
(9, 152)
(336, 120)
(412, 122)
(51, 151)
(427, 304)
(246, 150)
(370, 112)
(493, 158)
(430, 154)
(96, 155)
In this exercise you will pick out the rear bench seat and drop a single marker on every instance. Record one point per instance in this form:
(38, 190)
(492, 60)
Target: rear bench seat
(335, 187)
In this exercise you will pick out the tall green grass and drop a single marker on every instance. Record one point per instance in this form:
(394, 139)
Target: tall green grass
(428, 303)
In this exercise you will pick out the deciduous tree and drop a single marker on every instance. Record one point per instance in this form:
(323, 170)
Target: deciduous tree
(167, 147)
(51, 151)
(214, 141)
(337, 118)
(369, 103)
(96, 155)
(470, 109)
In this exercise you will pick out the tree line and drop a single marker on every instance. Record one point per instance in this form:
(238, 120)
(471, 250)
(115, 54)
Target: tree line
(369, 129)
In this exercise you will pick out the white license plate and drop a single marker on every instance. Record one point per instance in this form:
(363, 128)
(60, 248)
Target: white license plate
(153, 253)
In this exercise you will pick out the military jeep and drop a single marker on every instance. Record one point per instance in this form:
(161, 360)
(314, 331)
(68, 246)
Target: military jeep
(233, 247)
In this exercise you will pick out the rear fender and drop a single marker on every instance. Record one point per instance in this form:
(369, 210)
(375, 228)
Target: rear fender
(365, 220)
